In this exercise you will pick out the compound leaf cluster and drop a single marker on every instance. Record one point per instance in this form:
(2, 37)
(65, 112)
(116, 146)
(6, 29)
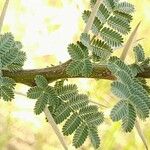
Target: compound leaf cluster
(135, 100)
(81, 63)
(66, 104)
(111, 22)
(11, 59)
(43, 93)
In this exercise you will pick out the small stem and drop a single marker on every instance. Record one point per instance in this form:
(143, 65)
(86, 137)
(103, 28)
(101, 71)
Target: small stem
(92, 16)
(100, 105)
(55, 128)
(3, 14)
(140, 133)
(51, 122)
(129, 42)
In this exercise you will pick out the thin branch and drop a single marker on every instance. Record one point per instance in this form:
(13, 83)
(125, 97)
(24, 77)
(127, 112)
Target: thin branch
(140, 133)
(3, 14)
(51, 122)
(59, 72)
(92, 16)
(129, 42)
(96, 103)
(55, 128)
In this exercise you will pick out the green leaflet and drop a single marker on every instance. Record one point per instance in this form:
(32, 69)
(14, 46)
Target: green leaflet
(77, 53)
(78, 101)
(93, 135)
(111, 37)
(123, 16)
(124, 7)
(119, 24)
(71, 124)
(41, 82)
(128, 120)
(43, 93)
(143, 83)
(62, 112)
(95, 119)
(40, 104)
(34, 92)
(110, 4)
(103, 14)
(85, 111)
(6, 88)
(80, 135)
(140, 106)
(66, 92)
(11, 59)
(101, 50)
(80, 60)
(120, 90)
(119, 110)
(6, 43)
(139, 53)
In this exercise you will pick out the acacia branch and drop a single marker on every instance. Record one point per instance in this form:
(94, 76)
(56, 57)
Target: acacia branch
(59, 72)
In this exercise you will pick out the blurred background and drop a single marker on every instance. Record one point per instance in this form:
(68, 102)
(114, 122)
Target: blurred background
(46, 27)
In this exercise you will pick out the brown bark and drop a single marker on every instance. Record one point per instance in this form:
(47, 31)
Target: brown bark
(59, 72)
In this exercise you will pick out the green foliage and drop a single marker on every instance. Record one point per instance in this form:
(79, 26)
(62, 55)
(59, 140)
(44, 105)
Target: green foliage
(6, 88)
(119, 24)
(71, 124)
(111, 37)
(80, 135)
(128, 119)
(119, 110)
(66, 92)
(93, 134)
(43, 93)
(81, 63)
(111, 23)
(41, 82)
(124, 7)
(139, 53)
(115, 14)
(66, 104)
(101, 50)
(117, 17)
(11, 57)
(135, 99)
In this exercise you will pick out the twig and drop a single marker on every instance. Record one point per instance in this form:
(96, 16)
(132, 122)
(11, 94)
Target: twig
(55, 128)
(51, 122)
(3, 14)
(101, 105)
(129, 42)
(139, 130)
(92, 16)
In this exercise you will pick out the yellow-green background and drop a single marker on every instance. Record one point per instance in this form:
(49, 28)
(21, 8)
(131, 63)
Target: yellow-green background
(46, 27)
